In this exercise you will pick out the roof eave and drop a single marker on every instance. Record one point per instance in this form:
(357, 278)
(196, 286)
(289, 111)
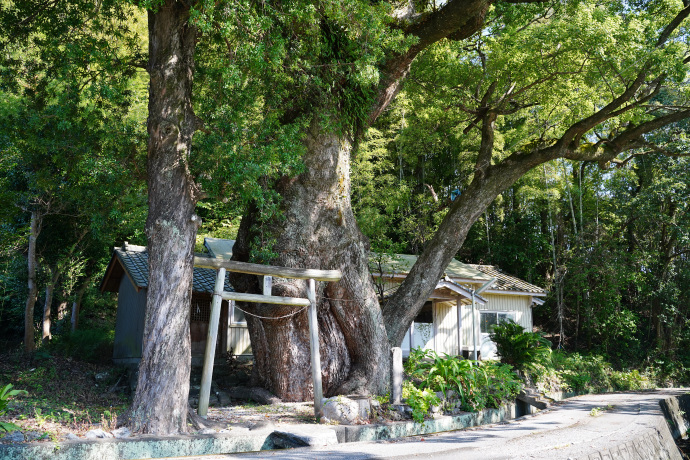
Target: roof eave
(512, 292)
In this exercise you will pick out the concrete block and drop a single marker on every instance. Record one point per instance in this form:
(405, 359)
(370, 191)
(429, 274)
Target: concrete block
(396, 375)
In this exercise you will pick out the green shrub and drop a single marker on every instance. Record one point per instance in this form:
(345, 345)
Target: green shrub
(504, 384)
(92, 345)
(477, 384)
(419, 400)
(630, 381)
(592, 373)
(519, 348)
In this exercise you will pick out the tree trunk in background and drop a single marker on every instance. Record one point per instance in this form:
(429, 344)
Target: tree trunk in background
(76, 305)
(160, 403)
(317, 230)
(34, 230)
(50, 290)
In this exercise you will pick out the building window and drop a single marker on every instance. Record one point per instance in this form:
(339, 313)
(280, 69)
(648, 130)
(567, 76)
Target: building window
(237, 315)
(490, 319)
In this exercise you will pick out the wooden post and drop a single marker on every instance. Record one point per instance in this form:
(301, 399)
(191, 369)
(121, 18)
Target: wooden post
(315, 354)
(211, 337)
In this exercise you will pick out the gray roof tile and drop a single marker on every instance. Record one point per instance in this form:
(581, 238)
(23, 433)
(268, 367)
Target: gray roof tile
(135, 260)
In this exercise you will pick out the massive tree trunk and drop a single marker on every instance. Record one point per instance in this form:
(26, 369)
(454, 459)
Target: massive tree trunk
(160, 402)
(318, 230)
(34, 230)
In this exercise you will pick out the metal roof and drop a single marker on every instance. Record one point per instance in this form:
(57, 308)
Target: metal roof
(506, 282)
(135, 261)
(400, 264)
(219, 248)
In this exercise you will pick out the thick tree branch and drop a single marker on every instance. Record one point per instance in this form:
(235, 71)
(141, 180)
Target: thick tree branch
(673, 25)
(458, 19)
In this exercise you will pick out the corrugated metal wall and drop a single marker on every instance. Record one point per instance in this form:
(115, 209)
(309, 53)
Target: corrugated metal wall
(446, 319)
(497, 302)
(238, 340)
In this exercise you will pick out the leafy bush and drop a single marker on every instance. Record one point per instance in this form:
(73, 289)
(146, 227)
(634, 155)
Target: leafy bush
(519, 348)
(478, 385)
(504, 383)
(591, 374)
(419, 400)
(630, 381)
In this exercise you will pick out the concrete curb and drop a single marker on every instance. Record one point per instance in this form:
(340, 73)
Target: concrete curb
(243, 439)
(657, 436)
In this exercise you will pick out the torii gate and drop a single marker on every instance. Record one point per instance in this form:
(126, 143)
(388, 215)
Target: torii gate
(268, 271)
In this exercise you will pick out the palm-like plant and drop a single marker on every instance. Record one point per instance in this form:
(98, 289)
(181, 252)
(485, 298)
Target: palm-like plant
(519, 348)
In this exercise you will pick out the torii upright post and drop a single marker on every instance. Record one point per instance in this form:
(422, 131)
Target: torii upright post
(315, 354)
(211, 338)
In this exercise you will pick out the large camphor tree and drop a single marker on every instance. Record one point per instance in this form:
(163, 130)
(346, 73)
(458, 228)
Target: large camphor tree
(311, 77)
(617, 59)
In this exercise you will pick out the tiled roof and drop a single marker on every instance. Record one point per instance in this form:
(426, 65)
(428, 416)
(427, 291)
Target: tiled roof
(135, 260)
(506, 282)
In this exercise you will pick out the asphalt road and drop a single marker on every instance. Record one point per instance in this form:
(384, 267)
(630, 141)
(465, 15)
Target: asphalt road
(575, 428)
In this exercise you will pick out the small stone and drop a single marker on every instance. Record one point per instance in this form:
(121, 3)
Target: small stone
(33, 435)
(260, 425)
(123, 432)
(14, 436)
(102, 376)
(208, 431)
(71, 437)
(97, 434)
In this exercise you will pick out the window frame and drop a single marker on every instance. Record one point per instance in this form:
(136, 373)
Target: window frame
(512, 314)
(233, 321)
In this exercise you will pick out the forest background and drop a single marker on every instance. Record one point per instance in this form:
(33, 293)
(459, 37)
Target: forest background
(610, 241)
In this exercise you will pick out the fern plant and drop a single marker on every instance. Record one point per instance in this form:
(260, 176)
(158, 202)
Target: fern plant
(5, 394)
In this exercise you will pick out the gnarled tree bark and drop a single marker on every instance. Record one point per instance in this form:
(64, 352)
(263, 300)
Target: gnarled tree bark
(318, 230)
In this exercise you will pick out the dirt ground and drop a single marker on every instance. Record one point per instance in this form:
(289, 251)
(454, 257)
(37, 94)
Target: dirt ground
(70, 397)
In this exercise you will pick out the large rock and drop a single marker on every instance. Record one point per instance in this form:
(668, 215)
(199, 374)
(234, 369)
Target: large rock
(123, 432)
(347, 410)
(97, 434)
(303, 437)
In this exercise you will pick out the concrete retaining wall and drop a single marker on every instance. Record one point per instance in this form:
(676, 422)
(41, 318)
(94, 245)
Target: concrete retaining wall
(655, 443)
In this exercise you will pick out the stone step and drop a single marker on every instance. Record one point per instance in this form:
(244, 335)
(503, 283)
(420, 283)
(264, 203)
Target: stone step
(538, 403)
